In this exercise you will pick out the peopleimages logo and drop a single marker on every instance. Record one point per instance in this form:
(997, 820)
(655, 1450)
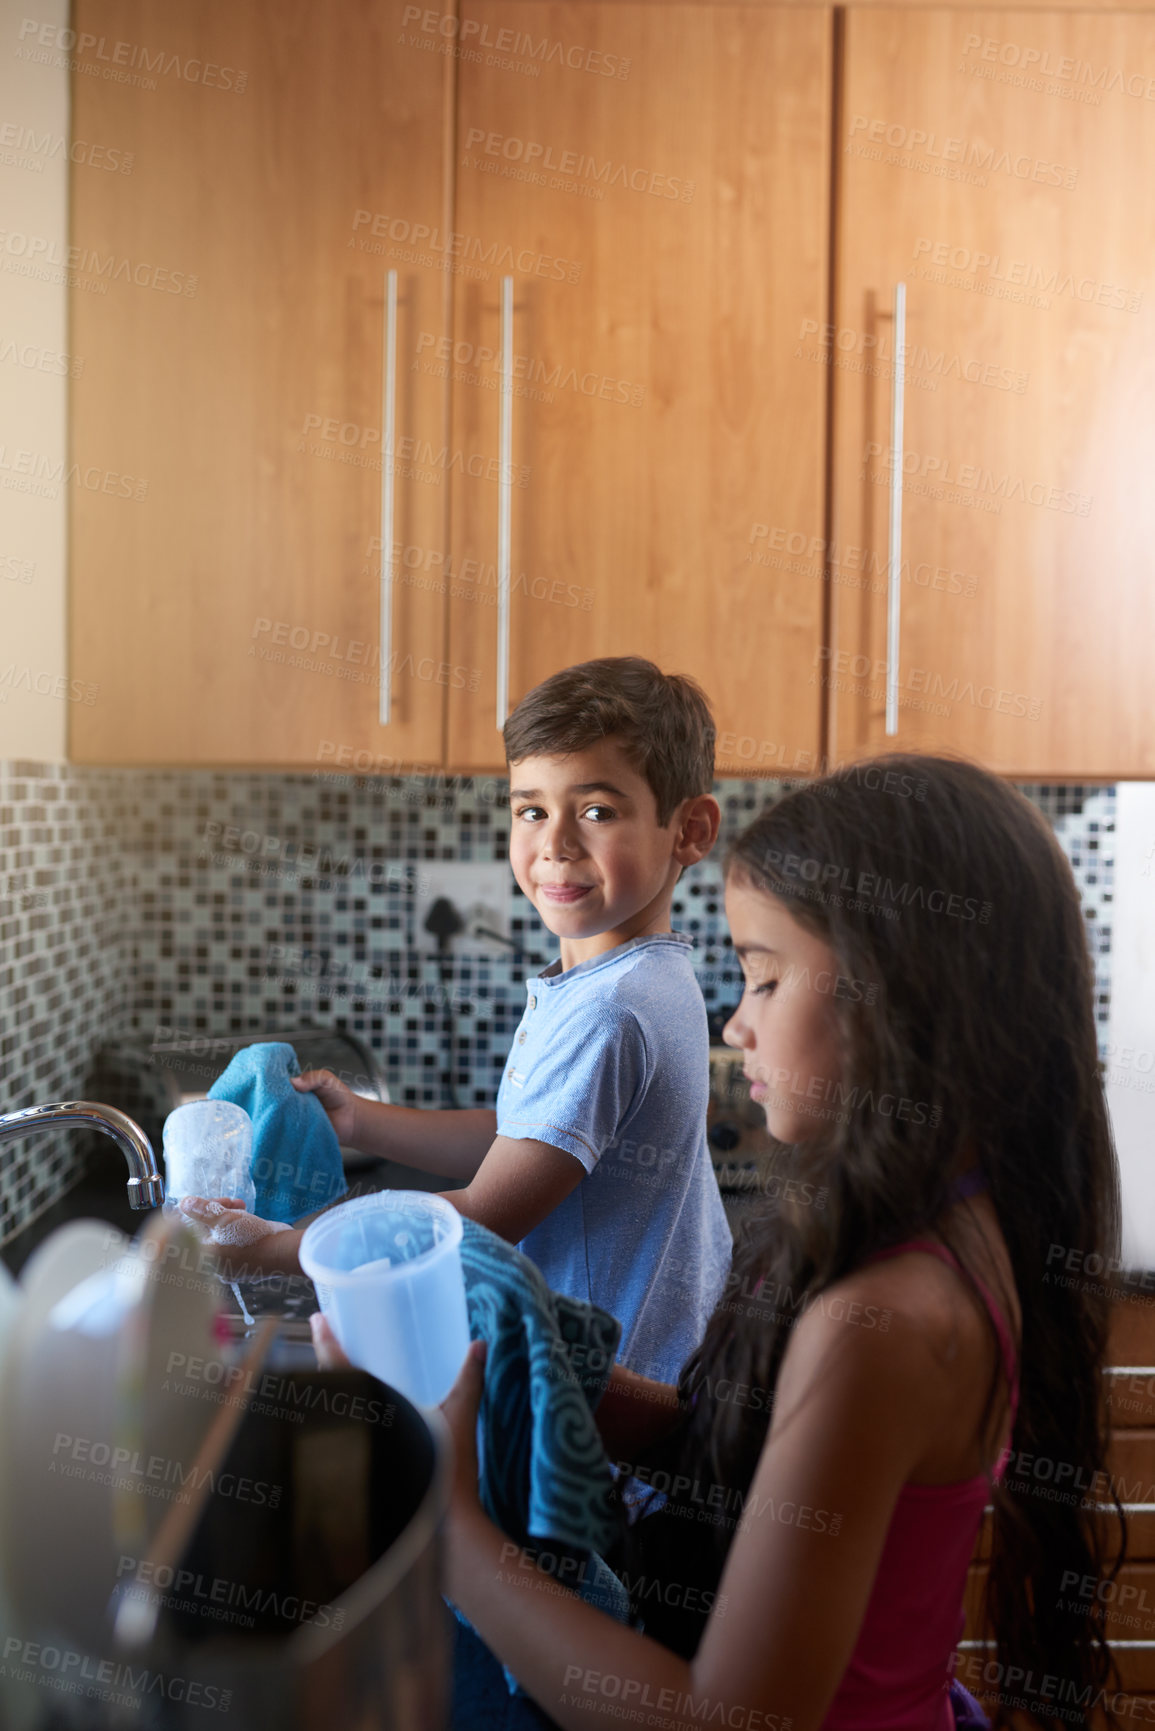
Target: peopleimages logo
(36, 252)
(41, 475)
(23, 147)
(987, 158)
(40, 360)
(1036, 64)
(830, 875)
(917, 358)
(510, 50)
(973, 478)
(122, 62)
(123, 1684)
(46, 684)
(436, 247)
(217, 1597)
(536, 158)
(480, 364)
(596, 1689)
(1015, 278)
(127, 1469)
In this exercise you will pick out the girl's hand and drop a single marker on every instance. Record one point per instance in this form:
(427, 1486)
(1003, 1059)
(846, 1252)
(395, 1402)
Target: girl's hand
(459, 1409)
(337, 1098)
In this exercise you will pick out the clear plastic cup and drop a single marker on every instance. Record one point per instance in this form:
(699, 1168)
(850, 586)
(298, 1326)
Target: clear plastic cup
(208, 1151)
(387, 1268)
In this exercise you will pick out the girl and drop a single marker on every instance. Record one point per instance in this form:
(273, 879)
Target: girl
(917, 1025)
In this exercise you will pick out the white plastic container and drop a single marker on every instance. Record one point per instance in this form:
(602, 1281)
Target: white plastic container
(208, 1151)
(387, 1268)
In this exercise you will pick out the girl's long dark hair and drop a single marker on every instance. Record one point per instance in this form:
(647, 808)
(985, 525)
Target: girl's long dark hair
(967, 990)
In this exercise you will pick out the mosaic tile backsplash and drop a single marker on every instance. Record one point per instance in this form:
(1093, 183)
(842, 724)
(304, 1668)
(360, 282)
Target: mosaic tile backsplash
(66, 882)
(139, 902)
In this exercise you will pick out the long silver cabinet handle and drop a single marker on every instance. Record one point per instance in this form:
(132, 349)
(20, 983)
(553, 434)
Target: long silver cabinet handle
(388, 417)
(894, 551)
(505, 501)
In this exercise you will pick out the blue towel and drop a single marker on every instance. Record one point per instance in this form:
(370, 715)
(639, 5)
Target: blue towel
(296, 1163)
(545, 1476)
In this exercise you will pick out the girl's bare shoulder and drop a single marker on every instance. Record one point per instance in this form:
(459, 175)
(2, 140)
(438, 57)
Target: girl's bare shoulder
(908, 1335)
(913, 1312)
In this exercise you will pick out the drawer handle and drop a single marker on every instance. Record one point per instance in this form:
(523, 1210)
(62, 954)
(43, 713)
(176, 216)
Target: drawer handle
(894, 552)
(388, 401)
(504, 501)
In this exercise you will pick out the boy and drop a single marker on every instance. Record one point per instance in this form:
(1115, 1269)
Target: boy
(595, 1161)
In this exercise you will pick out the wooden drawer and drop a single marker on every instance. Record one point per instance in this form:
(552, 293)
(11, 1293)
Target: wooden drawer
(1132, 1336)
(1131, 1392)
(1140, 1532)
(1131, 1463)
(1136, 1667)
(1130, 1602)
(1136, 1662)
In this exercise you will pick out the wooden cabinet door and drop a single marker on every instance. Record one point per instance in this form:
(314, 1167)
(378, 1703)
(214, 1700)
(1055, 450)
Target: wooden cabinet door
(229, 309)
(654, 179)
(1002, 165)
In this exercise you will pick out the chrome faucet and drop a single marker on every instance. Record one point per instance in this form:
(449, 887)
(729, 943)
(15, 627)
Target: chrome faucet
(145, 1184)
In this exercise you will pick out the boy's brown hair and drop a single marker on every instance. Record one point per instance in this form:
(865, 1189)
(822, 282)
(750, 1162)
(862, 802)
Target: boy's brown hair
(663, 721)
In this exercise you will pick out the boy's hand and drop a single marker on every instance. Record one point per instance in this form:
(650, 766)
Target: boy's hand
(245, 1244)
(337, 1098)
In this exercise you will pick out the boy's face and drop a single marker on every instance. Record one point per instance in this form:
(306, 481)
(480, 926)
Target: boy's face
(586, 848)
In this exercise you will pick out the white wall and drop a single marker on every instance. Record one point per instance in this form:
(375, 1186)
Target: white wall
(1131, 1040)
(33, 401)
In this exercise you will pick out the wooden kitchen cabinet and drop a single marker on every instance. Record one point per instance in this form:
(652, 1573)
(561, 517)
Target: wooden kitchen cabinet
(701, 410)
(229, 311)
(1001, 165)
(660, 194)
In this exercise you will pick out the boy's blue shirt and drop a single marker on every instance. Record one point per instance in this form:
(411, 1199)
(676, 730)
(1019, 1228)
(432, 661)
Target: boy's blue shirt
(611, 1064)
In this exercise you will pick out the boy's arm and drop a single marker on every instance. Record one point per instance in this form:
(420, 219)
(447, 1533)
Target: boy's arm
(516, 1185)
(513, 1189)
(451, 1144)
(634, 1412)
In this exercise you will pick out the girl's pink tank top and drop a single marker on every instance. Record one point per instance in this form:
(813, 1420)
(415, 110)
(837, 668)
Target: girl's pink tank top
(899, 1673)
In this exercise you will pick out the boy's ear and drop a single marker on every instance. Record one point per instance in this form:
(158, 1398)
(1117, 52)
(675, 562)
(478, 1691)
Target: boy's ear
(697, 829)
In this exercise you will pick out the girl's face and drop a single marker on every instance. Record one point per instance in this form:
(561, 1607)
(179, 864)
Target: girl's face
(787, 1023)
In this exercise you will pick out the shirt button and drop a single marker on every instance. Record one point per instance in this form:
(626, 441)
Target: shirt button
(521, 1038)
(532, 1002)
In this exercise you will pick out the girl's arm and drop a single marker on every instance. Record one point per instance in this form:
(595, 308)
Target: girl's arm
(853, 1413)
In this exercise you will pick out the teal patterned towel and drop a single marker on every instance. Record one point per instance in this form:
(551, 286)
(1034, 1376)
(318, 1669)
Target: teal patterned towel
(545, 1476)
